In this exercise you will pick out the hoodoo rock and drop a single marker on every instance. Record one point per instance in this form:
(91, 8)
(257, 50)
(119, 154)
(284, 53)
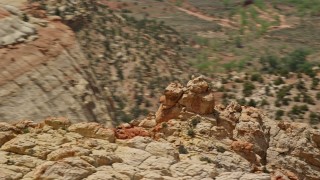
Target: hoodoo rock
(196, 98)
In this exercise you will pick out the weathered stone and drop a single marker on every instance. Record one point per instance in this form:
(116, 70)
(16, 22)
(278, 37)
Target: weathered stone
(198, 85)
(57, 123)
(69, 168)
(162, 149)
(102, 157)
(132, 156)
(242, 176)
(93, 130)
(66, 152)
(172, 94)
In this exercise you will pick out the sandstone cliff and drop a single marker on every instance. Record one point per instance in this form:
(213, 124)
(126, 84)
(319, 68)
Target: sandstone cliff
(43, 71)
(232, 142)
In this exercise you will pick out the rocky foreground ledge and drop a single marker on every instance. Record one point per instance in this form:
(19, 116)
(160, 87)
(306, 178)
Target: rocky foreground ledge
(188, 138)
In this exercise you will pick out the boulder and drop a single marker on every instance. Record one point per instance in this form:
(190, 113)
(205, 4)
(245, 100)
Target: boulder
(93, 130)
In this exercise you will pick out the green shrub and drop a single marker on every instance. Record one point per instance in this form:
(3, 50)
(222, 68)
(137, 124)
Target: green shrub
(295, 110)
(267, 90)
(182, 150)
(264, 102)
(195, 121)
(257, 77)
(252, 103)
(247, 88)
(315, 83)
(191, 132)
(297, 98)
(314, 118)
(304, 108)
(318, 95)
(242, 101)
(221, 149)
(295, 61)
(164, 125)
(238, 42)
(284, 91)
(277, 103)
(206, 159)
(308, 99)
(301, 86)
(25, 17)
(278, 81)
(279, 114)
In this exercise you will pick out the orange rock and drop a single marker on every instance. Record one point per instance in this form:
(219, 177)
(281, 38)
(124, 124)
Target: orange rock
(130, 132)
(196, 98)
(242, 146)
(172, 94)
(163, 114)
(198, 103)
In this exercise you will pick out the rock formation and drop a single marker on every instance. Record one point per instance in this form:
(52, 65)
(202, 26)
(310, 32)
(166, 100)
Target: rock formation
(13, 29)
(232, 142)
(197, 98)
(42, 71)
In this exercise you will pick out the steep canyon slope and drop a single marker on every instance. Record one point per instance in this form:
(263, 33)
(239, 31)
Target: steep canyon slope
(42, 71)
(83, 61)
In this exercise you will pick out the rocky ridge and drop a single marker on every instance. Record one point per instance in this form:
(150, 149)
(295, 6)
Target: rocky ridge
(223, 142)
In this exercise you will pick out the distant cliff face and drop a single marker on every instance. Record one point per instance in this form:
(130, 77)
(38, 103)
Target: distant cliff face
(43, 71)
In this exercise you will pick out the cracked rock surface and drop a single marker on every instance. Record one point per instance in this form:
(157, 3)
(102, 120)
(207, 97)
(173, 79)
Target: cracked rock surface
(233, 142)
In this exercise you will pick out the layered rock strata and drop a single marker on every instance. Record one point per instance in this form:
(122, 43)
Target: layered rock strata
(44, 73)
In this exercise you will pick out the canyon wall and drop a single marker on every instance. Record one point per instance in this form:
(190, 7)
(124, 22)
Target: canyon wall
(43, 72)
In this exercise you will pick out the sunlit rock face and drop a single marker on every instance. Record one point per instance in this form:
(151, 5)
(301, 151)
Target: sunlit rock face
(232, 142)
(42, 70)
